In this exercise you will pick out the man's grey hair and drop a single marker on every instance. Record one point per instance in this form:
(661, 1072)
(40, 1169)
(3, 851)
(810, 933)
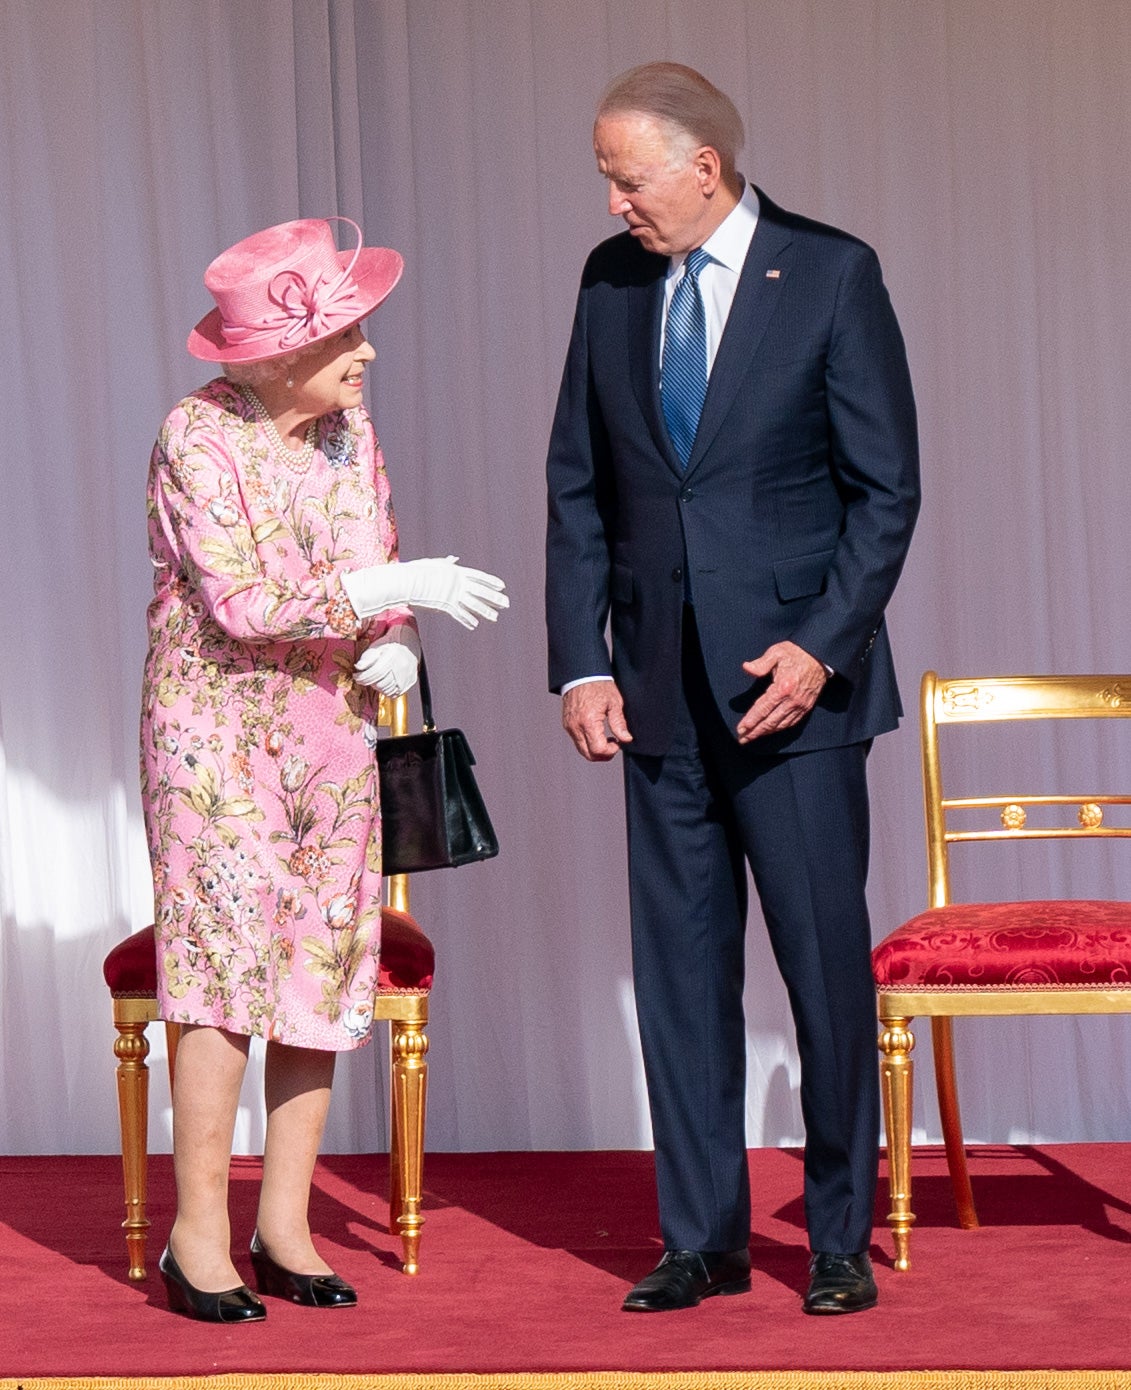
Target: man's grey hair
(681, 99)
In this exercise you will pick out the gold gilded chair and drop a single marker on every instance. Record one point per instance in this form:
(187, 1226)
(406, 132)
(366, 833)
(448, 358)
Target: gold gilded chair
(406, 971)
(972, 958)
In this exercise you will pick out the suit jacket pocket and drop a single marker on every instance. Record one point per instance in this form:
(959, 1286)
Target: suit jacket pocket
(802, 576)
(622, 584)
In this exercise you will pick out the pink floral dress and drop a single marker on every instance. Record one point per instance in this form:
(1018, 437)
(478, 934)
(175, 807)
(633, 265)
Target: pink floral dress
(258, 778)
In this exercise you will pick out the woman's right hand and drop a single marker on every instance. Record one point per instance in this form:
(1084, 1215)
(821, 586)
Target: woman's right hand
(464, 594)
(391, 663)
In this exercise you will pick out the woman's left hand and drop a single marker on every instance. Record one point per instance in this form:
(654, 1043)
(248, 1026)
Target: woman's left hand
(391, 663)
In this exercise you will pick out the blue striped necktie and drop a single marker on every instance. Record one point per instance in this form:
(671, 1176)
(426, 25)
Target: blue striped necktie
(683, 367)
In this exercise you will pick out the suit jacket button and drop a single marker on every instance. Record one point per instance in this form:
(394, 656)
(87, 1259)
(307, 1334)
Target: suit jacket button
(686, 495)
(677, 574)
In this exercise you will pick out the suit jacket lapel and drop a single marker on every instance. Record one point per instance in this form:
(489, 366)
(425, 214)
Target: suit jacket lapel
(755, 300)
(645, 312)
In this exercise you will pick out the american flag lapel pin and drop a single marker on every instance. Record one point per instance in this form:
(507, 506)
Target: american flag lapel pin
(773, 274)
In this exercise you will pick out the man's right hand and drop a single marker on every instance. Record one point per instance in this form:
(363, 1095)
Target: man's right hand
(593, 716)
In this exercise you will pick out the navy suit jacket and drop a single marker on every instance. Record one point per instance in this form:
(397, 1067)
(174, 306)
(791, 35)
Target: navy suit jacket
(796, 508)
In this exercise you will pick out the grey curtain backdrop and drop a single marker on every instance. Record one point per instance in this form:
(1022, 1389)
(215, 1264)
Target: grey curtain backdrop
(979, 145)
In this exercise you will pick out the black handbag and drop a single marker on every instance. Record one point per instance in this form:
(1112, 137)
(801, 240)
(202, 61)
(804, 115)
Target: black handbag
(432, 812)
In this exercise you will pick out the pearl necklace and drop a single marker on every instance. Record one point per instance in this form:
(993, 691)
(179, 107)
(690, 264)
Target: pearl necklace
(297, 460)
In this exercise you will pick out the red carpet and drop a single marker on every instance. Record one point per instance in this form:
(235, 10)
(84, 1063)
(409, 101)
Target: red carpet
(525, 1259)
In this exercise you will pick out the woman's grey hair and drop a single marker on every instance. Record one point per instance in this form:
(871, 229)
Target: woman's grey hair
(254, 374)
(681, 99)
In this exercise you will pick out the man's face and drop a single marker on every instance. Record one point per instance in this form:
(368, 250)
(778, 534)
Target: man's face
(656, 187)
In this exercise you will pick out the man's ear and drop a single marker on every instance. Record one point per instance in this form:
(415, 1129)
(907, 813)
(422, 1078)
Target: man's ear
(708, 169)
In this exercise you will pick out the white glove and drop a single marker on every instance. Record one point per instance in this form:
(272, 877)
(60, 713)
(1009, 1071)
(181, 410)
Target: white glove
(464, 594)
(391, 662)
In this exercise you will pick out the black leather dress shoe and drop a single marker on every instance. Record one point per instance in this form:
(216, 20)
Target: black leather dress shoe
(311, 1290)
(232, 1305)
(684, 1278)
(840, 1284)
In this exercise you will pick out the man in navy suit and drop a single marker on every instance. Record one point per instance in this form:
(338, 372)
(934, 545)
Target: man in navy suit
(733, 481)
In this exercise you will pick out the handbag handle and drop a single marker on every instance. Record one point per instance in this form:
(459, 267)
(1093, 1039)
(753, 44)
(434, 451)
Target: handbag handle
(425, 697)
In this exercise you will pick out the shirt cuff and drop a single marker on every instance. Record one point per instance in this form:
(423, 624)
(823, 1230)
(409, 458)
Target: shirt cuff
(583, 680)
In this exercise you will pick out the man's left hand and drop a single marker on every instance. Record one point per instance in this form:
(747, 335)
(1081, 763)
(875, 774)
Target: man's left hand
(798, 679)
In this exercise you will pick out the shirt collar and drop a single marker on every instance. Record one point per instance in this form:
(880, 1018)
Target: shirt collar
(730, 241)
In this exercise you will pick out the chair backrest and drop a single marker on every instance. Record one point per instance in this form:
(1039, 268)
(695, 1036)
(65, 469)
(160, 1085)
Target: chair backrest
(392, 714)
(996, 699)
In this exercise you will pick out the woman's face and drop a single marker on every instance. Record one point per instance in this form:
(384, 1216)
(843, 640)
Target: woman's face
(329, 375)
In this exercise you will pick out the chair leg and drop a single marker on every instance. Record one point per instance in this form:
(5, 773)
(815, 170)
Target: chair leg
(131, 1047)
(406, 1150)
(942, 1039)
(896, 1074)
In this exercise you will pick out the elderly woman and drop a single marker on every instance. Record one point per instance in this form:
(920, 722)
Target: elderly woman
(280, 615)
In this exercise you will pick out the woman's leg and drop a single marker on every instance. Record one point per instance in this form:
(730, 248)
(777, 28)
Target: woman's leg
(206, 1091)
(297, 1086)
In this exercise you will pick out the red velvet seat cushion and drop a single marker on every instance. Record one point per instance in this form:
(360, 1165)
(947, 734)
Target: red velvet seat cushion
(131, 967)
(408, 961)
(1029, 945)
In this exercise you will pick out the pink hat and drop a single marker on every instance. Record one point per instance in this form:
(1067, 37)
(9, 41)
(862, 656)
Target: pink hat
(287, 287)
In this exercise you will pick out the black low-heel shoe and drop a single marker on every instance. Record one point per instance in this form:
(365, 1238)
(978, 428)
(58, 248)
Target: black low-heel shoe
(232, 1305)
(311, 1290)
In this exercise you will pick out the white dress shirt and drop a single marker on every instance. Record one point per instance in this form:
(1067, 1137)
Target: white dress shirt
(727, 246)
